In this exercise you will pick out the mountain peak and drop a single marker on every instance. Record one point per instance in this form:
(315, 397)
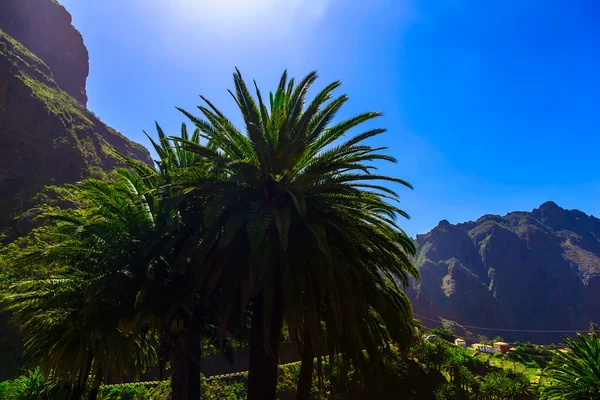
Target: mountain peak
(550, 206)
(524, 270)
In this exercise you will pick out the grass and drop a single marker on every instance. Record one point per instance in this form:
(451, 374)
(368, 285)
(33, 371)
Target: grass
(19, 54)
(37, 76)
(533, 374)
(58, 102)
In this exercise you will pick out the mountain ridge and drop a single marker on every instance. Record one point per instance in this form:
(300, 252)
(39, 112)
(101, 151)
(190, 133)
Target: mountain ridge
(47, 135)
(537, 270)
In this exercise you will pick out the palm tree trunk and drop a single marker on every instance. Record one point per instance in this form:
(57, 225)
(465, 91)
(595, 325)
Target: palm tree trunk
(194, 384)
(77, 392)
(95, 385)
(179, 371)
(306, 372)
(262, 371)
(163, 357)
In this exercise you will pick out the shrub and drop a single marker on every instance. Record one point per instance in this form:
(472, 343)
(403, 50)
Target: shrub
(125, 392)
(445, 391)
(443, 333)
(531, 355)
(31, 386)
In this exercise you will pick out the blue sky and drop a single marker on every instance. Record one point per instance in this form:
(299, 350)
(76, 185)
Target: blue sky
(490, 106)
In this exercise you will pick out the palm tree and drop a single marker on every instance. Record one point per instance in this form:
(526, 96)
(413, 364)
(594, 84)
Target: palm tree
(575, 375)
(73, 320)
(299, 226)
(114, 255)
(170, 301)
(73, 336)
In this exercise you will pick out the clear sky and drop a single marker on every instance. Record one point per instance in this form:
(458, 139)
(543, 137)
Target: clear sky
(491, 106)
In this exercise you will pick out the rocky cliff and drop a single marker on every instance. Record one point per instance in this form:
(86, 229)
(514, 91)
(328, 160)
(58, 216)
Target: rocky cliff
(44, 27)
(537, 270)
(47, 136)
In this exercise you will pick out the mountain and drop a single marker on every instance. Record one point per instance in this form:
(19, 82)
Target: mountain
(537, 270)
(47, 135)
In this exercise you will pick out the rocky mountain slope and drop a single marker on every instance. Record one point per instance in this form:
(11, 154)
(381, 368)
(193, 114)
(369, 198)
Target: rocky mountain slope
(47, 135)
(536, 270)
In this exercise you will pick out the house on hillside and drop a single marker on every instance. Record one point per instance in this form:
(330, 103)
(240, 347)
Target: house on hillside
(460, 342)
(502, 347)
(484, 348)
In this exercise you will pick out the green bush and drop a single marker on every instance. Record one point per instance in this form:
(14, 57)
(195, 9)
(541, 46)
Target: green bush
(531, 355)
(446, 391)
(4, 389)
(443, 333)
(498, 355)
(223, 389)
(125, 392)
(506, 385)
(31, 386)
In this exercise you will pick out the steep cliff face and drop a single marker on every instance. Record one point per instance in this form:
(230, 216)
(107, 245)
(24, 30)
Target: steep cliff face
(44, 27)
(536, 270)
(47, 136)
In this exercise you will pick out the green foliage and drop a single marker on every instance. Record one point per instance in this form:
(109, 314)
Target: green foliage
(19, 54)
(575, 375)
(58, 102)
(135, 392)
(460, 377)
(71, 313)
(505, 385)
(298, 197)
(446, 391)
(31, 386)
(443, 333)
(531, 355)
(10, 272)
(232, 389)
(433, 354)
(469, 376)
(36, 75)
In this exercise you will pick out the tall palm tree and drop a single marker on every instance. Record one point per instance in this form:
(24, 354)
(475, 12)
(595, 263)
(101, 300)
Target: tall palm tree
(71, 321)
(575, 375)
(170, 301)
(110, 253)
(299, 226)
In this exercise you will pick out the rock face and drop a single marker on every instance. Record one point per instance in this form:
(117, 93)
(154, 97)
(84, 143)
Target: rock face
(47, 136)
(536, 270)
(44, 27)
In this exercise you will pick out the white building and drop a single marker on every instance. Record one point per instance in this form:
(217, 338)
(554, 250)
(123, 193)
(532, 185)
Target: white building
(484, 348)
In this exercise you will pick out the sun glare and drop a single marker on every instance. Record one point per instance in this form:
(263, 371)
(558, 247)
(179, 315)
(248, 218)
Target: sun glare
(243, 13)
